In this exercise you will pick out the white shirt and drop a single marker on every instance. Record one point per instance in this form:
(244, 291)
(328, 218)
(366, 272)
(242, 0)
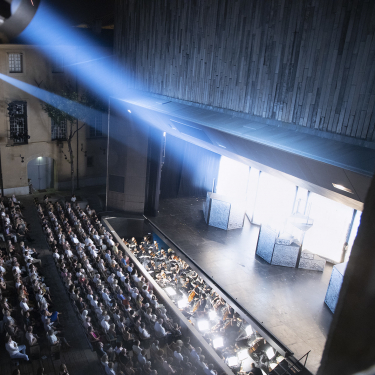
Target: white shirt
(68, 253)
(178, 356)
(24, 306)
(105, 325)
(105, 296)
(56, 255)
(12, 348)
(143, 332)
(52, 339)
(88, 241)
(160, 329)
(30, 337)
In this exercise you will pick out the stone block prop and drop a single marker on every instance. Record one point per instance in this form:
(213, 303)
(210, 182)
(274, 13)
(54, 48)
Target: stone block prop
(310, 261)
(223, 212)
(276, 251)
(334, 286)
(266, 243)
(285, 255)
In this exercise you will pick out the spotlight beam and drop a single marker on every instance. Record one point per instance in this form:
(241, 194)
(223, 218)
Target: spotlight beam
(68, 106)
(84, 57)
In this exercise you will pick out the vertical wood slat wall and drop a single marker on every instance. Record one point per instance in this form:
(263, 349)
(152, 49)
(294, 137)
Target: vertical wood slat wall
(306, 62)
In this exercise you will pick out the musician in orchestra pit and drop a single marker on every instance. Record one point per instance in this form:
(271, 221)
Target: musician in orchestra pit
(188, 286)
(144, 242)
(151, 266)
(255, 370)
(199, 308)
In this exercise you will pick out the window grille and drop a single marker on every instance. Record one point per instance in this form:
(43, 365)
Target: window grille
(15, 63)
(17, 111)
(58, 131)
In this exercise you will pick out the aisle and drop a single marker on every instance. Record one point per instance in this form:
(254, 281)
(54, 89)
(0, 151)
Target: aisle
(79, 359)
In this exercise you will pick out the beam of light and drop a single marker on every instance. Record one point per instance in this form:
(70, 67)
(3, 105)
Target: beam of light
(82, 55)
(87, 61)
(68, 106)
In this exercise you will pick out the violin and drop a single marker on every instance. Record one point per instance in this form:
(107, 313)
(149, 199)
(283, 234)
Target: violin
(196, 305)
(191, 296)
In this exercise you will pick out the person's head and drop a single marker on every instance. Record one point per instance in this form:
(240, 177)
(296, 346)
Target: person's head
(63, 368)
(29, 329)
(16, 372)
(253, 365)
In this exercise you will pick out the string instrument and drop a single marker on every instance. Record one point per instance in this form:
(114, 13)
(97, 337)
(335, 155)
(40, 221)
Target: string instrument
(227, 324)
(191, 296)
(176, 258)
(196, 306)
(225, 316)
(255, 344)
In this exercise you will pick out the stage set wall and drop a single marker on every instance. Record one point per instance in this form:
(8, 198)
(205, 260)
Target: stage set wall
(188, 170)
(144, 165)
(306, 63)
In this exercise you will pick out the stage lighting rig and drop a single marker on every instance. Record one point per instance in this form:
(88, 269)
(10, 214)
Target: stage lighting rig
(15, 16)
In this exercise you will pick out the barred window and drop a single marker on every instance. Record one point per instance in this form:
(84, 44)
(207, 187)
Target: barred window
(58, 130)
(96, 128)
(17, 111)
(15, 63)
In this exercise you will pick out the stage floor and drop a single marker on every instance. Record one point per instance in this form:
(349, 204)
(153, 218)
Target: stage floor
(289, 302)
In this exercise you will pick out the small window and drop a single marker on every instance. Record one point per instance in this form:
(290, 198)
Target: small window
(90, 161)
(17, 111)
(15, 62)
(57, 64)
(96, 128)
(58, 131)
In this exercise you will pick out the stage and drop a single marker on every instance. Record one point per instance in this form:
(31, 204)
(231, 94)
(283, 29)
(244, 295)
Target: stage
(288, 302)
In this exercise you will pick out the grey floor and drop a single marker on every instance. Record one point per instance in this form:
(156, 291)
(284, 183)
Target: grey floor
(289, 302)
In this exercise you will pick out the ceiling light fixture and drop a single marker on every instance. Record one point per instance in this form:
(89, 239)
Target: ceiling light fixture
(343, 188)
